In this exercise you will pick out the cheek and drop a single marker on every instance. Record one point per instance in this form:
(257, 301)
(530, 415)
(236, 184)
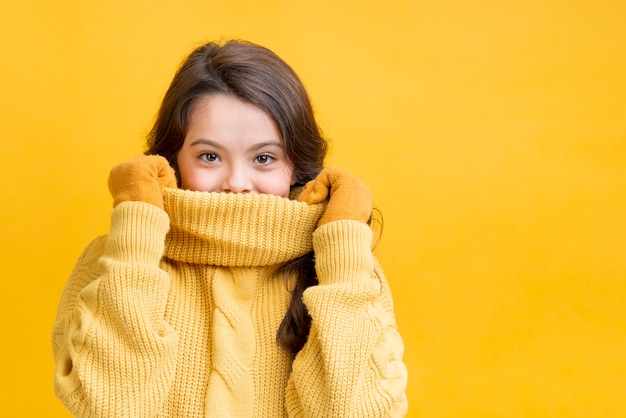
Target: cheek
(273, 184)
(196, 181)
(185, 184)
(189, 178)
(284, 183)
(183, 172)
(282, 190)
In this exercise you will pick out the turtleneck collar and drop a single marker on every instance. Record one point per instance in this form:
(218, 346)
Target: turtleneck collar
(229, 229)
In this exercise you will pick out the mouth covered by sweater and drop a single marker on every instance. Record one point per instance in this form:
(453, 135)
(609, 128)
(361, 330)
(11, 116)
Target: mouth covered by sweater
(229, 229)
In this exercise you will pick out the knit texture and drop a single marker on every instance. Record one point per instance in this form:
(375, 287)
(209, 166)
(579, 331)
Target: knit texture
(175, 314)
(228, 229)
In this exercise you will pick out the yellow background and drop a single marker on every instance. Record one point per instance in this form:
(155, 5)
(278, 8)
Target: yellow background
(492, 133)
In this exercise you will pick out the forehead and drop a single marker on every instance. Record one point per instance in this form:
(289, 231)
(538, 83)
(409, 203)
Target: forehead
(228, 120)
(220, 109)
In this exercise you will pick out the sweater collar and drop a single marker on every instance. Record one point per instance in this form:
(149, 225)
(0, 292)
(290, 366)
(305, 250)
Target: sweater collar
(229, 229)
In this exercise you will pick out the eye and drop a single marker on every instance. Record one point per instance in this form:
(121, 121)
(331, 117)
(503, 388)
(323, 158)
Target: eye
(209, 157)
(264, 159)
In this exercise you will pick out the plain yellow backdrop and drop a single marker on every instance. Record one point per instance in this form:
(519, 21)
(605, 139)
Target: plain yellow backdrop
(493, 134)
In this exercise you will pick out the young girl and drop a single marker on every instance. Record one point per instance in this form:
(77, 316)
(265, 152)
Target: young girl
(224, 287)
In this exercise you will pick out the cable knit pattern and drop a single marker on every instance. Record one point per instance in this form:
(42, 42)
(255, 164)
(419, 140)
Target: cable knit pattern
(231, 385)
(351, 365)
(174, 314)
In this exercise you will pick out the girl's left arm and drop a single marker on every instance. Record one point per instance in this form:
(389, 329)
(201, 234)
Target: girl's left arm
(351, 365)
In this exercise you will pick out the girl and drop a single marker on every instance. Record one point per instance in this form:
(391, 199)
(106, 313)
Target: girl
(224, 287)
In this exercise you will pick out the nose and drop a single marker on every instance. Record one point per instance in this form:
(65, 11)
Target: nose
(237, 180)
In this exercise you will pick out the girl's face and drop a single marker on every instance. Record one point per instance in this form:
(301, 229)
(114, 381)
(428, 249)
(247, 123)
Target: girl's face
(233, 146)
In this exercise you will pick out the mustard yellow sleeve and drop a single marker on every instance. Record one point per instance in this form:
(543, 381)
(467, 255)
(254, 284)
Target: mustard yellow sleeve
(114, 354)
(351, 365)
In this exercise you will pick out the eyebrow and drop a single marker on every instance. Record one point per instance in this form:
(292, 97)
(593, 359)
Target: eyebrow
(260, 145)
(266, 144)
(203, 141)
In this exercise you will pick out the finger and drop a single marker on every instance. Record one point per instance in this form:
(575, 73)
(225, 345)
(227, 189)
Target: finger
(167, 177)
(315, 191)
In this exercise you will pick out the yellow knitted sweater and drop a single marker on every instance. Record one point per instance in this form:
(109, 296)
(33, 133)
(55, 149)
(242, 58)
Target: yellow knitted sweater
(174, 314)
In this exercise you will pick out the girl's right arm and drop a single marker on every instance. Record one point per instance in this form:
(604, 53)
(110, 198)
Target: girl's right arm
(115, 354)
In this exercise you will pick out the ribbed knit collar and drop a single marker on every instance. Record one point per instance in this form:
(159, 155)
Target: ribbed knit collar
(228, 229)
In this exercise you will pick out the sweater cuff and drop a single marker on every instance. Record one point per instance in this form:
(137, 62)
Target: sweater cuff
(137, 233)
(343, 251)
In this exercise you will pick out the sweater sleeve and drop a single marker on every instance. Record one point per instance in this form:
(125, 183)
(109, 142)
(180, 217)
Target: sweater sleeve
(114, 353)
(351, 365)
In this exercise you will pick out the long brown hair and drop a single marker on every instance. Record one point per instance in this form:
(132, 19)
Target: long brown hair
(257, 75)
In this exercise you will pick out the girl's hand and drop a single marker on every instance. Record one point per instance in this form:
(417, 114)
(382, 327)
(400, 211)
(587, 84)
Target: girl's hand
(348, 197)
(141, 179)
